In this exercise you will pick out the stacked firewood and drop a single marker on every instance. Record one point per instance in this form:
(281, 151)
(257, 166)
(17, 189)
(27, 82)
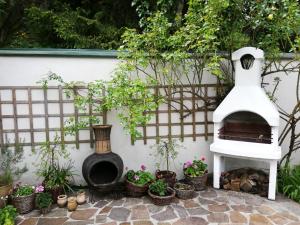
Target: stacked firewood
(247, 180)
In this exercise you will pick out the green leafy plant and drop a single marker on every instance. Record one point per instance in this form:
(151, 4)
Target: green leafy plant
(49, 167)
(8, 215)
(44, 200)
(159, 187)
(9, 159)
(196, 168)
(289, 182)
(23, 190)
(140, 177)
(165, 151)
(131, 97)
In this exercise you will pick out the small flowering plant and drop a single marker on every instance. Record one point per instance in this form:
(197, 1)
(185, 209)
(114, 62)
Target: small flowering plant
(196, 168)
(25, 190)
(140, 177)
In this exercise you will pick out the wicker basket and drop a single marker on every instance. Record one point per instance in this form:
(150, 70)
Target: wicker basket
(135, 190)
(186, 193)
(162, 200)
(198, 182)
(168, 176)
(24, 204)
(6, 190)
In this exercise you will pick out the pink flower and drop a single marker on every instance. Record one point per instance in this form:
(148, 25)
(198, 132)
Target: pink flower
(202, 158)
(40, 188)
(143, 167)
(136, 177)
(187, 164)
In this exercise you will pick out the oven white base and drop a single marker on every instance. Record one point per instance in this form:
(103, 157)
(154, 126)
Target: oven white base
(251, 151)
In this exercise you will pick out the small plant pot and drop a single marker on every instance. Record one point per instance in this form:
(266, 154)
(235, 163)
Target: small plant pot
(168, 176)
(134, 190)
(62, 201)
(162, 200)
(184, 191)
(24, 204)
(45, 210)
(81, 197)
(6, 190)
(72, 204)
(198, 182)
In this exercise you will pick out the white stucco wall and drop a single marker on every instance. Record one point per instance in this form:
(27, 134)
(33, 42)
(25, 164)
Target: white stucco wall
(25, 71)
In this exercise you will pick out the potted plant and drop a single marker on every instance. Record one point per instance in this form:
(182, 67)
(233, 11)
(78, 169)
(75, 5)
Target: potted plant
(9, 158)
(184, 191)
(23, 198)
(165, 152)
(44, 202)
(137, 182)
(8, 215)
(56, 178)
(196, 173)
(160, 193)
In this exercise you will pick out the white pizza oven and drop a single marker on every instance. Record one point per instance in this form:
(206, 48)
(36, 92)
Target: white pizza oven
(246, 122)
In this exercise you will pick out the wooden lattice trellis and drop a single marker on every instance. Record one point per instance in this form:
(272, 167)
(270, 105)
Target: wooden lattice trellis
(189, 104)
(37, 108)
(199, 98)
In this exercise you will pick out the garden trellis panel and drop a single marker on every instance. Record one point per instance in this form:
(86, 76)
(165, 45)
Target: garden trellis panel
(32, 115)
(186, 112)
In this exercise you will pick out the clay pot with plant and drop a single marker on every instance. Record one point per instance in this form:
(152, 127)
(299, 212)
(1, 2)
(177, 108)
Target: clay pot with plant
(137, 182)
(165, 152)
(196, 173)
(44, 202)
(9, 158)
(160, 193)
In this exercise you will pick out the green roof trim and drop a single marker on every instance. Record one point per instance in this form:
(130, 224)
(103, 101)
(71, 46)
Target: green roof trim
(52, 52)
(80, 53)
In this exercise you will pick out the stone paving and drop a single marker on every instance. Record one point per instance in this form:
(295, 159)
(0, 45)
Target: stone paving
(207, 207)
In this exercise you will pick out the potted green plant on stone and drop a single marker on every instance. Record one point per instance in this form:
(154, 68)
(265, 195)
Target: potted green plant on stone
(196, 173)
(9, 171)
(44, 202)
(23, 198)
(160, 193)
(137, 182)
(8, 215)
(184, 191)
(165, 151)
(56, 178)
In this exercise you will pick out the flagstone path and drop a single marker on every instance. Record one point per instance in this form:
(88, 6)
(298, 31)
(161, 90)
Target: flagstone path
(207, 207)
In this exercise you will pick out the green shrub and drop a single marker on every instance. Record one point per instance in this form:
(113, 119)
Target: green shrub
(43, 200)
(8, 215)
(23, 190)
(289, 182)
(159, 187)
(196, 168)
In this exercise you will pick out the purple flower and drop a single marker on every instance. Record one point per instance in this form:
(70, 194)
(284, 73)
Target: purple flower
(143, 167)
(40, 188)
(136, 177)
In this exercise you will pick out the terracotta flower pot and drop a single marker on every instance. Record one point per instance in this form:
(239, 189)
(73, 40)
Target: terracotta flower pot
(72, 204)
(162, 200)
(6, 190)
(135, 190)
(24, 204)
(81, 197)
(198, 182)
(62, 201)
(168, 176)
